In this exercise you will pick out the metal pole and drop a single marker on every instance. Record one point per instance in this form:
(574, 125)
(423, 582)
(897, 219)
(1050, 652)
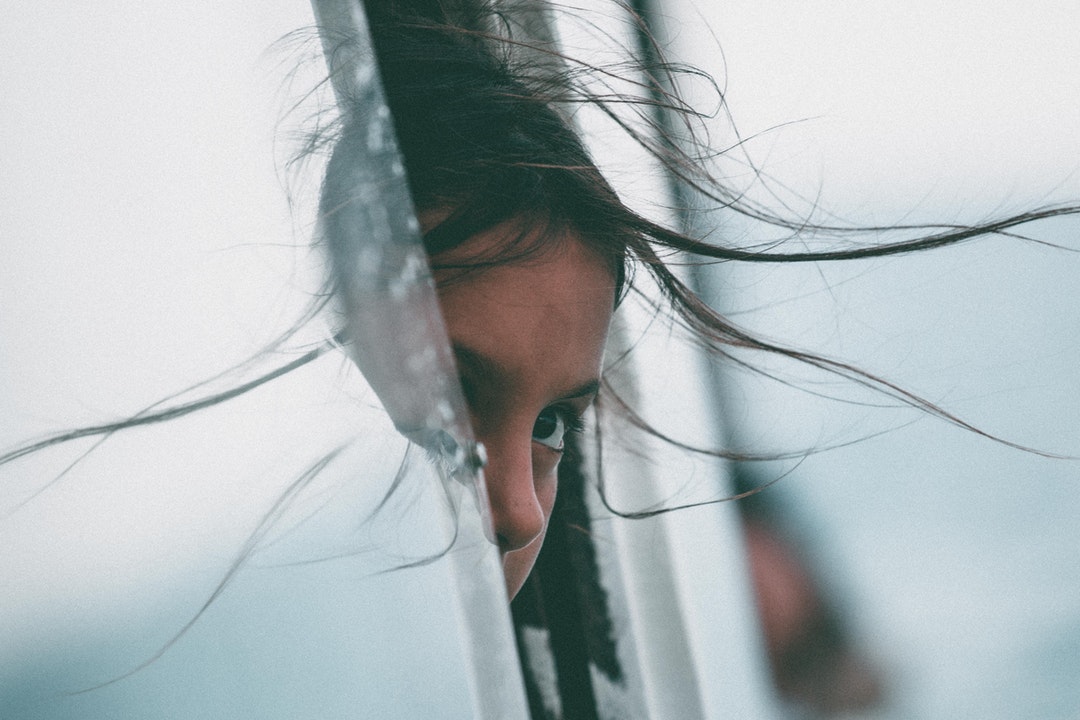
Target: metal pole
(397, 337)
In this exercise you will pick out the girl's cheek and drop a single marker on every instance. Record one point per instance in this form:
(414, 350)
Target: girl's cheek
(545, 478)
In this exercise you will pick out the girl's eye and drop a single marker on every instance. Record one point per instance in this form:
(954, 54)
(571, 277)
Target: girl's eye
(550, 429)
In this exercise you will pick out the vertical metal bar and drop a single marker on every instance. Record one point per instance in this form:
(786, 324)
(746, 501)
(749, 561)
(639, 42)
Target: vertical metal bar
(397, 337)
(376, 252)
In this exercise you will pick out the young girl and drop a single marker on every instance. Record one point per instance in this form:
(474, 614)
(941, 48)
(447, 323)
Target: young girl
(530, 248)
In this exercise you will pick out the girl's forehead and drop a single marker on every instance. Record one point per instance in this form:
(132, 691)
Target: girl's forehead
(563, 274)
(539, 246)
(543, 321)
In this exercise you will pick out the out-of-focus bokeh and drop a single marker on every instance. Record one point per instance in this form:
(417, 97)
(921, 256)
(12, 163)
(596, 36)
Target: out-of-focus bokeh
(955, 559)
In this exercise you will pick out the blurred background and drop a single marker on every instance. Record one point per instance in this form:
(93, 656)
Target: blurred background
(955, 560)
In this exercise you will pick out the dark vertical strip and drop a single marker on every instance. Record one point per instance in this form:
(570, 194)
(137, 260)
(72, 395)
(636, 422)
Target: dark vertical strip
(582, 569)
(560, 583)
(646, 51)
(528, 612)
(564, 597)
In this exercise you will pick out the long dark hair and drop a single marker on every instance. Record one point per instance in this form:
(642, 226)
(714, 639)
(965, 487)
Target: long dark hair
(482, 112)
(485, 128)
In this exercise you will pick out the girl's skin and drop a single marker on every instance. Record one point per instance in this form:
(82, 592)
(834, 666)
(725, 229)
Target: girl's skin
(528, 338)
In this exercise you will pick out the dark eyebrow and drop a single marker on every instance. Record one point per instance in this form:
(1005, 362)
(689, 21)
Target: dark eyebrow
(478, 366)
(588, 389)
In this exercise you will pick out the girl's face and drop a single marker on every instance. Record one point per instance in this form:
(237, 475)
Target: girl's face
(529, 341)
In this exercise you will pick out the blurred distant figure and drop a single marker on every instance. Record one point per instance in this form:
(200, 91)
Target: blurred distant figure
(814, 664)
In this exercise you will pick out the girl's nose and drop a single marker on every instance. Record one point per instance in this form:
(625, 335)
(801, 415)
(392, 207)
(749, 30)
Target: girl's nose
(516, 511)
